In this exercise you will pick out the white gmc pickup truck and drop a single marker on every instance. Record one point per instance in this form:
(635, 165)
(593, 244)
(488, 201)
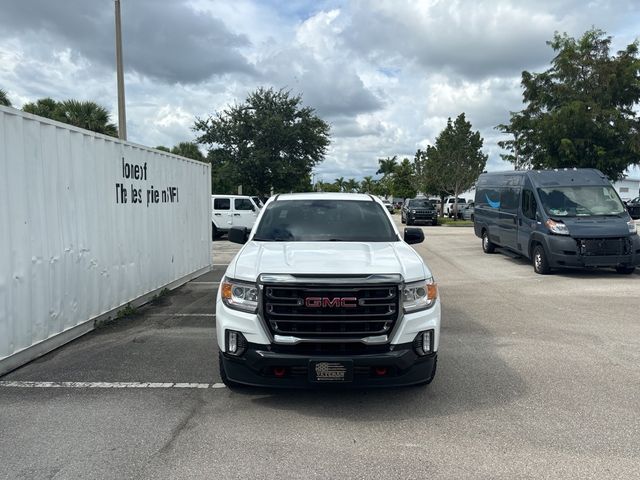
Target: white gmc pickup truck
(326, 291)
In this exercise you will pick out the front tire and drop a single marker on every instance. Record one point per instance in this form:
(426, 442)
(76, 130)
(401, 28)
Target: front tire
(487, 245)
(214, 231)
(540, 260)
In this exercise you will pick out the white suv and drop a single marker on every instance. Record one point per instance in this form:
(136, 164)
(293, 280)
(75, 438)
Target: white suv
(232, 210)
(326, 290)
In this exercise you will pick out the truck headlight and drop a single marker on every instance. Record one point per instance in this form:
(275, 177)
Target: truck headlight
(419, 295)
(558, 228)
(239, 295)
(632, 226)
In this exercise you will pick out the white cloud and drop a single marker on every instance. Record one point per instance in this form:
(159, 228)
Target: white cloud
(386, 74)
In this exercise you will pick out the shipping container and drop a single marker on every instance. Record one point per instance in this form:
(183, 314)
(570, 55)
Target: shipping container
(89, 224)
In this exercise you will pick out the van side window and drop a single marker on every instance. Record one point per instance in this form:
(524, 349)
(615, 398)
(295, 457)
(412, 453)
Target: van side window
(242, 204)
(488, 197)
(509, 200)
(222, 204)
(529, 205)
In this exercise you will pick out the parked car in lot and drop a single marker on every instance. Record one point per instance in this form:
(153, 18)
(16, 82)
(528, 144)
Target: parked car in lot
(419, 210)
(467, 211)
(389, 206)
(633, 207)
(450, 206)
(326, 291)
(232, 210)
(556, 218)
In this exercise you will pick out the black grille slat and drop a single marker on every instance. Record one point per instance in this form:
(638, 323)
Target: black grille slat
(373, 312)
(604, 246)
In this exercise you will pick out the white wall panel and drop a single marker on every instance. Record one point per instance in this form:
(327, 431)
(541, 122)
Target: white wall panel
(71, 250)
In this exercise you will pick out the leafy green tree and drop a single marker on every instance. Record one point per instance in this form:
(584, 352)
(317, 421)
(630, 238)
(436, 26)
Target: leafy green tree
(581, 112)
(44, 107)
(269, 141)
(387, 166)
(340, 183)
(188, 150)
(88, 115)
(367, 185)
(402, 183)
(4, 99)
(456, 160)
(352, 185)
(163, 148)
(327, 187)
(83, 114)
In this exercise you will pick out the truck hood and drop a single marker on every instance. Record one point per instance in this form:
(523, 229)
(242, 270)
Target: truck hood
(338, 258)
(596, 227)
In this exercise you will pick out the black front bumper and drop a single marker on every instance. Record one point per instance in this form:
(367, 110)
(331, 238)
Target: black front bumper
(563, 253)
(257, 365)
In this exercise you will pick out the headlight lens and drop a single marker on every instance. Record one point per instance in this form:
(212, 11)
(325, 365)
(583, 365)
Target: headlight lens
(413, 211)
(632, 226)
(239, 295)
(419, 295)
(558, 228)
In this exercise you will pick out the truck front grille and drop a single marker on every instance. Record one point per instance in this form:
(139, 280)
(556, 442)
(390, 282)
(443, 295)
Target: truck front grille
(330, 312)
(604, 246)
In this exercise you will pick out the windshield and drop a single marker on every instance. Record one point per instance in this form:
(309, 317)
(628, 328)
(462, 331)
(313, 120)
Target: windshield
(325, 220)
(580, 201)
(420, 203)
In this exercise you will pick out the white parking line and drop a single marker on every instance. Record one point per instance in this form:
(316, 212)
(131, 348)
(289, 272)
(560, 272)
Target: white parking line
(25, 384)
(181, 315)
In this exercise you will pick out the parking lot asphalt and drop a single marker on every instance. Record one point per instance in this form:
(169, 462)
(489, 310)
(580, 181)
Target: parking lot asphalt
(538, 377)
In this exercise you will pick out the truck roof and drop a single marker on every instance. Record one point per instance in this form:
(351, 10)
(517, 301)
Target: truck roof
(325, 196)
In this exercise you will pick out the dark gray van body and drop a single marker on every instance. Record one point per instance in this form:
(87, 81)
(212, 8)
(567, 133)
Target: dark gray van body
(520, 210)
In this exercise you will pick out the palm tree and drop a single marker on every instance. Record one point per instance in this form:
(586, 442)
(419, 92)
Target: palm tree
(340, 183)
(367, 184)
(387, 166)
(87, 114)
(189, 150)
(44, 107)
(4, 100)
(352, 185)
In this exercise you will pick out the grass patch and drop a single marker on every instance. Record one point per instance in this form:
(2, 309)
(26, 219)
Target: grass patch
(452, 222)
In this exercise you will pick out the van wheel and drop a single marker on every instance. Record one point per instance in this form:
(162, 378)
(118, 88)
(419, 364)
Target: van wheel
(487, 245)
(625, 269)
(540, 261)
(214, 231)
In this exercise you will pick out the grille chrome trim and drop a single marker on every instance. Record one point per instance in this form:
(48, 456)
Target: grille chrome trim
(290, 320)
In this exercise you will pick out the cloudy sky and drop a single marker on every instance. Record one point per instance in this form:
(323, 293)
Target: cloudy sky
(385, 74)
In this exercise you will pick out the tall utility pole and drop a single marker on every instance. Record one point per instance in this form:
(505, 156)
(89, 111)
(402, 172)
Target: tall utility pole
(122, 114)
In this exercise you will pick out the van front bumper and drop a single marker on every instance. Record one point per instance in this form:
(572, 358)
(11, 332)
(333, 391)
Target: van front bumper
(258, 364)
(565, 252)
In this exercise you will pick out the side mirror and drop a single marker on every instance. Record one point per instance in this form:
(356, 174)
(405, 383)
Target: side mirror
(413, 235)
(238, 235)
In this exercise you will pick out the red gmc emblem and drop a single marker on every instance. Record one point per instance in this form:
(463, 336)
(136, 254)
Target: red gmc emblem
(326, 302)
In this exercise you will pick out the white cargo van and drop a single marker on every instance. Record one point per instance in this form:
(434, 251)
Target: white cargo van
(232, 211)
